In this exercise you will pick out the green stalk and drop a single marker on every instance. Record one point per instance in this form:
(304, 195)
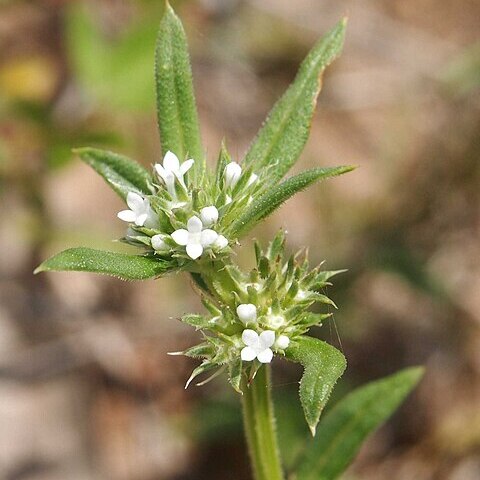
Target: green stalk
(259, 421)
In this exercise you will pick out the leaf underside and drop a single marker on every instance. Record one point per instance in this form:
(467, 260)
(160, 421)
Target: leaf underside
(346, 426)
(126, 267)
(121, 173)
(275, 196)
(323, 365)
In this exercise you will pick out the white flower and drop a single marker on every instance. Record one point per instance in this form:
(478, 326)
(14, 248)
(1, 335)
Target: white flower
(209, 215)
(247, 313)
(158, 242)
(140, 212)
(257, 346)
(194, 238)
(170, 169)
(282, 342)
(221, 242)
(232, 174)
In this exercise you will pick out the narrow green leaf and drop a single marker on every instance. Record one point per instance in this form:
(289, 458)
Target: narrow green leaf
(176, 109)
(285, 132)
(126, 267)
(324, 365)
(197, 321)
(223, 160)
(235, 374)
(121, 173)
(347, 425)
(268, 202)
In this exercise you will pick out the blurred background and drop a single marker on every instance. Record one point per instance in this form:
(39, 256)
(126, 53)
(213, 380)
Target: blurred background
(86, 388)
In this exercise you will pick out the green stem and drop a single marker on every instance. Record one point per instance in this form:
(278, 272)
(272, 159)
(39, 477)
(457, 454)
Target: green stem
(260, 431)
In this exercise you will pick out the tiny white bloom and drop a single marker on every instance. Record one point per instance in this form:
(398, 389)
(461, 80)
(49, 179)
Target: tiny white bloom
(140, 212)
(247, 313)
(172, 168)
(282, 342)
(232, 174)
(209, 215)
(158, 242)
(257, 346)
(253, 178)
(194, 238)
(221, 242)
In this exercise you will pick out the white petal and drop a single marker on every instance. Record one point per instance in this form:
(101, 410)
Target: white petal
(265, 356)
(158, 242)
(170, 161)
(253, 178)
(159, 169)
(127, 216)
(282, 342)
(232, 174)
(134, 201)
(194, 225)
(152, 219)
(194, 250)
(141, 219)
(180, 236)
(248, 354)
(209, 215)
(221, 242)
(250, 337)
(186, 166)
(208, 237)
(247, 313)
(267, 338)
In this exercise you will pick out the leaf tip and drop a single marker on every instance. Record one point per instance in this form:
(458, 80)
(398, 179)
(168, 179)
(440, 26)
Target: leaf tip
(415, 373)
(40, 268)
(313, 429)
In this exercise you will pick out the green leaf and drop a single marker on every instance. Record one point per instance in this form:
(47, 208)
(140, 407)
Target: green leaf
(268, 202)
(126, 267)
(121, 173)
(285, 132)
(324, 365)
(346, 426)
(198, 321)
(176, 109)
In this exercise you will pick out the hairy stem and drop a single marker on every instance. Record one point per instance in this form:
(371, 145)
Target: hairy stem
(260, 431)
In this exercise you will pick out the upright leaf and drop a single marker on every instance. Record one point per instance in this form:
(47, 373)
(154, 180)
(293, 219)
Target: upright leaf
(121, 173)
(126, 267)
(345, 427)
(285, 132)
(176, 109)
(268, 202)
(324, 365)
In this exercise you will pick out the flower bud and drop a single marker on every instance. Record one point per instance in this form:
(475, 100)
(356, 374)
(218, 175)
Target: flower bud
(253, 178)
(209, 215)
(232, 174)
(221, 242)
(282, 342)
(247, 313)
(158, 243)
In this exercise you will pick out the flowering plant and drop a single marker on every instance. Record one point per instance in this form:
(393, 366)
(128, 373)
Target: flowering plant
(186, 217)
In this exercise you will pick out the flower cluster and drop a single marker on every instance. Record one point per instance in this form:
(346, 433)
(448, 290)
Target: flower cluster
(176, 220)
(255, 316)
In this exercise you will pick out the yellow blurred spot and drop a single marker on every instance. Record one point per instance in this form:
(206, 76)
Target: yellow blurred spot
(31, 79)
